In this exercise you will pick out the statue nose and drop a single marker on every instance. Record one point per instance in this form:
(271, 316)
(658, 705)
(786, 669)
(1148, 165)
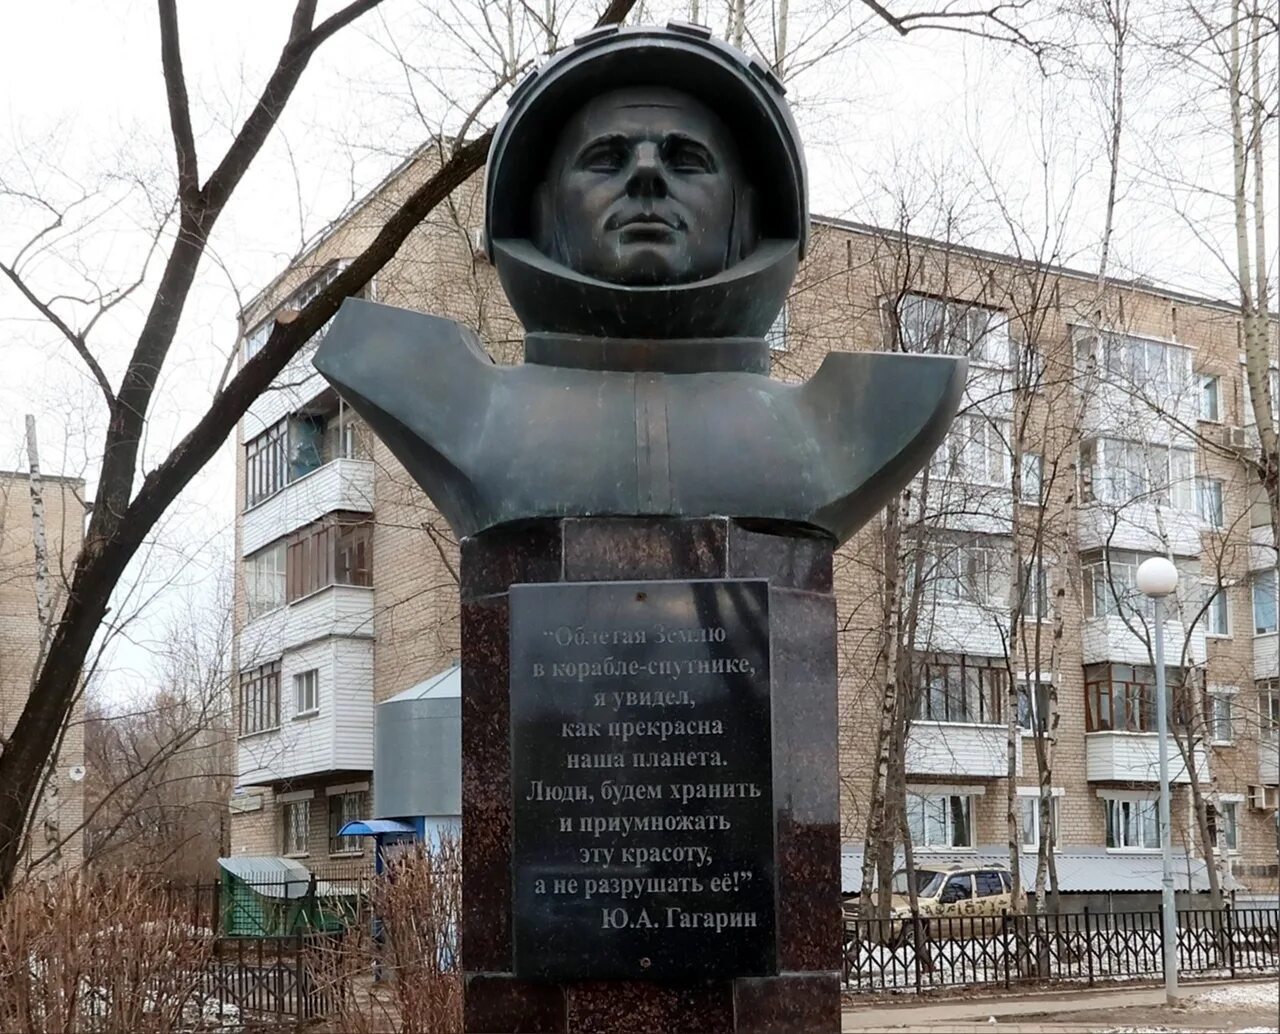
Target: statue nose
(647, 179)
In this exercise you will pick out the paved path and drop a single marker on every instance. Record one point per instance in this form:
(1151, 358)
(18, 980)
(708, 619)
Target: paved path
(972, 1014)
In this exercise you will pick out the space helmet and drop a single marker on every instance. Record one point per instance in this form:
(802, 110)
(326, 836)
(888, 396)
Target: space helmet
(742, 300)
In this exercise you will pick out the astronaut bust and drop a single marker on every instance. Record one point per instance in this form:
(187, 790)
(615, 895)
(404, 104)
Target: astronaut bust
(646, 211)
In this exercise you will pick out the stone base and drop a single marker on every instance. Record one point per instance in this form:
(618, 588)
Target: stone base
(805, 996)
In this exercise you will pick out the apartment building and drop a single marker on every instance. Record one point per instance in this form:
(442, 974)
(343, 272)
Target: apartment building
(1103, 423)
(54, 843)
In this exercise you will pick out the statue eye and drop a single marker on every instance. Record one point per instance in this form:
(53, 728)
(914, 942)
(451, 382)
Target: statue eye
(688, 157)
(608, 156)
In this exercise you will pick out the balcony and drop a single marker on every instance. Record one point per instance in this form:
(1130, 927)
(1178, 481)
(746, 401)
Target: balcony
(341, 484)
(337, 736)
(959, 626)
(1134, 757)
(1262, 556)
(958, 749)
(337, 610)
(1269, 760)
(1137, 526)
(297, 385)
(1108, 638)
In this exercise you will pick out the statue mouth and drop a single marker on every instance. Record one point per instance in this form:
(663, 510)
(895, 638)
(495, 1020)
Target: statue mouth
(645, 225)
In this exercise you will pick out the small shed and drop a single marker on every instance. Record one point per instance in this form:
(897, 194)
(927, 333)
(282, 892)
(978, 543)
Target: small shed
(270, 896)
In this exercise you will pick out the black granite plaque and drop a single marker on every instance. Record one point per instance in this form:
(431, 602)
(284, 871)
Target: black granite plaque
(641, 772)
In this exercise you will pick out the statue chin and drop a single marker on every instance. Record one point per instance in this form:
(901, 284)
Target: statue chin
(741, 301)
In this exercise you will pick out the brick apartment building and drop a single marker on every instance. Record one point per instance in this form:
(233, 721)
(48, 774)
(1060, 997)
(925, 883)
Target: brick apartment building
(1103, 423)
(55, 841)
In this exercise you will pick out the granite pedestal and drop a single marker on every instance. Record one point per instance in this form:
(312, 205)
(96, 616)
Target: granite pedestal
(801, 992)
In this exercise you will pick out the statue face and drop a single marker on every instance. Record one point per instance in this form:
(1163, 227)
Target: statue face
(643, 186)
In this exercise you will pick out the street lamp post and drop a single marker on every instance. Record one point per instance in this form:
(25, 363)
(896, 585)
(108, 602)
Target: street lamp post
(1157, 578)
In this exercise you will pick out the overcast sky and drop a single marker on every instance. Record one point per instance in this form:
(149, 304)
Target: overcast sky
(937, 120)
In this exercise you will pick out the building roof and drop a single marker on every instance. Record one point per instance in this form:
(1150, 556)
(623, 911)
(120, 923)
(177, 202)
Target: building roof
(1081, 870)
(442, 685)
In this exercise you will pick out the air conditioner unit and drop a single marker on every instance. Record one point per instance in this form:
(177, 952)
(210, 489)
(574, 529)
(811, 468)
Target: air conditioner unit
(1264, 798)
(478, 251)
(1234, 438)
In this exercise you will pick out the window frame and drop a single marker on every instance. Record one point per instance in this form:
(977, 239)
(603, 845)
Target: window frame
(1145, 820)
(258, 603)
(1255, 578)
(946, 820)
(1033, 844)
(1210, 387)
(335, 550)
(306, 680)
(1211, 498)
(258, 690)
(266, 464)
(972, 692)
(290, 828)
(1214, 609)
(354, 801)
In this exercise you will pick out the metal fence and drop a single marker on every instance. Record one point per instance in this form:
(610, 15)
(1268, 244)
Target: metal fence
(1016, 949)
(273, 982)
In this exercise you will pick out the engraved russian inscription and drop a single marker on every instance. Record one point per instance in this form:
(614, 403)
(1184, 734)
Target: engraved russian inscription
(641, 762)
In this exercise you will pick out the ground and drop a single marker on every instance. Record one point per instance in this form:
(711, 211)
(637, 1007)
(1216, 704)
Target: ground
(1240, 1007)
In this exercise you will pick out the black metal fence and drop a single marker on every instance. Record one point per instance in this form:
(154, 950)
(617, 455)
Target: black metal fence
(923, 953)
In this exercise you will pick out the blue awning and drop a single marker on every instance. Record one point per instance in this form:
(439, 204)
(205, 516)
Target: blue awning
(373, 827)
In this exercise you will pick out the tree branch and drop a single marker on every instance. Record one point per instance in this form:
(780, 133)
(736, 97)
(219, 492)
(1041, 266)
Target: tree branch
(77, 341)
(175, 88)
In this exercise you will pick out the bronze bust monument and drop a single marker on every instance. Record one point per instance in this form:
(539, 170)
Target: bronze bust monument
(646, 210)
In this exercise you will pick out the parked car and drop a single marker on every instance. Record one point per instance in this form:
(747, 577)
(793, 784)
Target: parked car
(954, 901)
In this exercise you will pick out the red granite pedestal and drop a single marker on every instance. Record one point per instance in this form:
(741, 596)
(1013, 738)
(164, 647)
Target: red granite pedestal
(804, 996)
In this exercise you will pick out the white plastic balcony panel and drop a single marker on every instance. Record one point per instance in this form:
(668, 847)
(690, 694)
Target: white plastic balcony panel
(1269, 761)
(336, 736)
(958, 749)
(337, 610)
(957, 626)
(1262, 555)
(959, 506)
(1134, 757)
(1109, 639)
(988, 390)
(1266, 656)
(298, 385)
(339, 485)
(1137, 526)
(1116, 411)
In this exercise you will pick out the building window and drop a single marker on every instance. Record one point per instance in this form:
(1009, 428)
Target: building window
(1217, 615)
(1035, 591)
(1119, 472)
(344, 808)
(975, 452)
(776, 335)
(975, 571)
(962, 689)
(1122, 698)
(1033, 705)
(1211, 510)
(1224, 825)
(335, 551)
(296, 820)
(1132, 824)
(1210, 397)
(1153, 366)
(953, 328)
(305, 294)
(266, 463)
(1269, 709)
(1032, 477)
(306, 692)
(1030, 814)
(1221, 708)
(260, 699)
(1111, 585)
(940, 821)
(1264, 602)
(264, 580)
